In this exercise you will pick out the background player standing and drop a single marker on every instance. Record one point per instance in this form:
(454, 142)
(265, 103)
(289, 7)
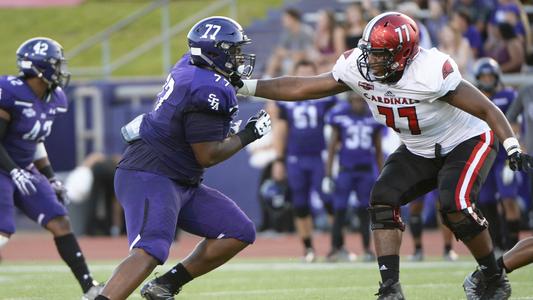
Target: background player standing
(158, 181)
(28, 106)
(298, 160)
(356, 139)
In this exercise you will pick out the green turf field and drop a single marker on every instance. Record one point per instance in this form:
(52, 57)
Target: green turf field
(267, 279)
(72, 25)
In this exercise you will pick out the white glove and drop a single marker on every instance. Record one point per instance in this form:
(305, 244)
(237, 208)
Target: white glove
(260, 123)
(235, 126)
(328, 185)
(24, 181)
(507, 175)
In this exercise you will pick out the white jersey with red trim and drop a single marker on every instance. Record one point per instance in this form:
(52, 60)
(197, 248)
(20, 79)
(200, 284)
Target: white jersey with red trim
(410, 107)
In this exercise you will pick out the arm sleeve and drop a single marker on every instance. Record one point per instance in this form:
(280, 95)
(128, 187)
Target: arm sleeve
(203, 127)
(6, 163)
(447, 79)
(339, 69)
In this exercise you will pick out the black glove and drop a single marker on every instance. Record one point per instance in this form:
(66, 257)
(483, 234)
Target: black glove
(519, 161)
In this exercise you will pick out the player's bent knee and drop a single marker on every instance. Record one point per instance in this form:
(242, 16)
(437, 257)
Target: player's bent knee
(383, 194)
(59, 225)
(469, 224)
(301, 211)
(157, 249)
(3, 241)
(386, 217)
(247, 233)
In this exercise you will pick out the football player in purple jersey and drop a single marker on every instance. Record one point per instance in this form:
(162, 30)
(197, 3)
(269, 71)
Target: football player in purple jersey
(356, 139)
(501, 184)
(159, 180)
(29, 103)
(299, 161)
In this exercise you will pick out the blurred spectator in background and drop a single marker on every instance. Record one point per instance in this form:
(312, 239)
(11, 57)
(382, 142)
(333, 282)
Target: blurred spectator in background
(93, 181)
(437, 19)
(461, 22)
(509, 11)
(454, 44)
(412, 9)
(295, 43)
(354, 25)
(328, 40)
(506, 48)
(478, 10)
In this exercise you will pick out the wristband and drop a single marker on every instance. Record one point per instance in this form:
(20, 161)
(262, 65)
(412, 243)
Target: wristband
(248, 88)
(48, 172)
(511, 145)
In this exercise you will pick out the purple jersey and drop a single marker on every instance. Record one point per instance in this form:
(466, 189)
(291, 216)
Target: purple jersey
(196, 105)
(356, 134)
(31, 117)
(306, 123)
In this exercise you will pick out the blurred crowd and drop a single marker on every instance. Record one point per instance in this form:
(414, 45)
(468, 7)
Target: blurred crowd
(464, 29)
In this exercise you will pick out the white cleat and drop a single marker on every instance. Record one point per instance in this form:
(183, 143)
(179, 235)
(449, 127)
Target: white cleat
(93, 292)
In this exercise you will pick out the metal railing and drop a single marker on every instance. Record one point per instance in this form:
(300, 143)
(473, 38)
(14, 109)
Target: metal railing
(109, 65)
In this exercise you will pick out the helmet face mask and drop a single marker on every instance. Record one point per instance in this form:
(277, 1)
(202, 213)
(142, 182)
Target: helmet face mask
(43, 58)
(216, 42)
(389, 44)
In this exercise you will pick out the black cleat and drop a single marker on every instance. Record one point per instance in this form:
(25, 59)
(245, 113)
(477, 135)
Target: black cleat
(154, 290)
(477, 287)
(390, 291)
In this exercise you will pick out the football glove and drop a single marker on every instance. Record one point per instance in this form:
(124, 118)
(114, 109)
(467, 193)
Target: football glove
(24, 181)
(328, 185)
(519, 161)
(60, 190)
(260, 123)
(235, 126)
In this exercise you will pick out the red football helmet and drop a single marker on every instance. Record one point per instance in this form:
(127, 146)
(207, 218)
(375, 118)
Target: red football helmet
(392, 41)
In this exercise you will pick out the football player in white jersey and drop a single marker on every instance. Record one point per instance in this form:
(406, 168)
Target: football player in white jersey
(448, 129)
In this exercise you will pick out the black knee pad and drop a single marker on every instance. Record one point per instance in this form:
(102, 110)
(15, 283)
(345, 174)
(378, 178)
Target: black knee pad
(301, 212)
(386, 217)
(472, 224)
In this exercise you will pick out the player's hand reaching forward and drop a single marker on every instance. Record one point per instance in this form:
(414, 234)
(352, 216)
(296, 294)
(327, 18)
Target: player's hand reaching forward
(24, 181)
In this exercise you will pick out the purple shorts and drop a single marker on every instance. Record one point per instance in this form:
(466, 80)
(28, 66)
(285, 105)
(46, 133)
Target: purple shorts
(358, 182)
(155, 205)
(494, 188)
(41, 207)
(304, 174)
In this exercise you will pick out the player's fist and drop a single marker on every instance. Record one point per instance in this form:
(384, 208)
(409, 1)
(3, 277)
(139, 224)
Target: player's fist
(328, 185)
(24, 181)
(60, 190)
(260, 123)
(519, 161)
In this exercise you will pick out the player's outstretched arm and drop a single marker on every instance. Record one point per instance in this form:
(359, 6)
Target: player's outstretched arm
(293, 88)
(468, 98)
(211, 153)
(471, 100)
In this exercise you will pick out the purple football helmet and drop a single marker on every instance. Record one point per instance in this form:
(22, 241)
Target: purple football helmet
(216, 42)
(43, 57)
(487, 66)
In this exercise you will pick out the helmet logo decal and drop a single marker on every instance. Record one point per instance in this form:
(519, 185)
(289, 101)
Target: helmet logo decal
(213, 36)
